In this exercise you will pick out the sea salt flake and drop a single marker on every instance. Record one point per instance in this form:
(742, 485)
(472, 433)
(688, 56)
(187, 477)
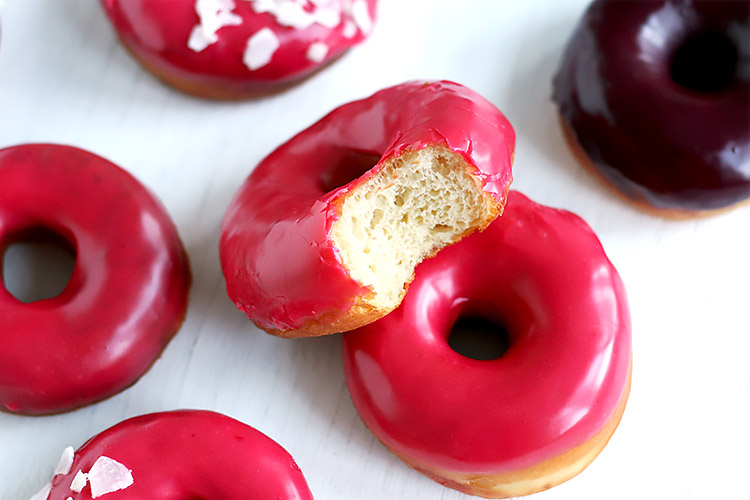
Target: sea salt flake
(43, 493)
(293, 15)
(198, 40)
(260, 49)
(361, 16)
(214, 15)
(317, 52)
(328, 18)
(262, 6)
(79, 482)
(350, 29)
(108, 475)
(66, 461)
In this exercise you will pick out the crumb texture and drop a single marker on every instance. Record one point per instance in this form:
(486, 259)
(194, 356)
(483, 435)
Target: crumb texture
(417, 204)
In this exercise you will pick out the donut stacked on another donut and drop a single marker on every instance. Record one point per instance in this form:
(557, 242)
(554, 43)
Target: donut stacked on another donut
(537, 415)
(178, 455)
(324, 235)
(126, 299)
(235, 49)
(655, 95)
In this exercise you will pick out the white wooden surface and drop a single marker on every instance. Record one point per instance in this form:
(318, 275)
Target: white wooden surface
(685, 434)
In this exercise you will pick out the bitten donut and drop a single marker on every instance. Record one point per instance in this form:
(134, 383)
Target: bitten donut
(537, 415)
(178, 455)
(324, 235)
(234, 49)
(126, 298)
(654, 95)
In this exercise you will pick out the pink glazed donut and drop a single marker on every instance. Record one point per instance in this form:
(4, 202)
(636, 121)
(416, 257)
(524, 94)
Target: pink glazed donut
(235, 49)
(324, 235)
(126, 299)
(187, 454)
(537, 415)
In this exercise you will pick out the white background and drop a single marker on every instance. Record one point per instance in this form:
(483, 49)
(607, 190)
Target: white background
(64, 78)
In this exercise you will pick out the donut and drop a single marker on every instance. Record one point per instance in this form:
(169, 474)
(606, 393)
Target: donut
(126, 298)
(236, 49)
(541, 412)
(178, 455)
(654, 96)
(324, 235)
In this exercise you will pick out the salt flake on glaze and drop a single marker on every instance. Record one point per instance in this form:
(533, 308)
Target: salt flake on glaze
(260, 49)
(43, 493)
(361, 16)
(350, 29)
(66, 461)
(79, 482)
(214, 15)
(317, 52)
(292, 13)
(107, 476)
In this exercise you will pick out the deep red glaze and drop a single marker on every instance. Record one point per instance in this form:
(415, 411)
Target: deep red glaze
(189, 454)
(128, 293)
(157, 32)
(656, 140)
(541, 273)
(279, 262)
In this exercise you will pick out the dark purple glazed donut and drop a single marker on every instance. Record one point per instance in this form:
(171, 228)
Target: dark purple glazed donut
(656, 94)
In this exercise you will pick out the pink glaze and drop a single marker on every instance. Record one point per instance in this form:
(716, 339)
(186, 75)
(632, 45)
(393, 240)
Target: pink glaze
(280, 265)
(158, 32)
(542, 274)
(189, 454)
(128, 293)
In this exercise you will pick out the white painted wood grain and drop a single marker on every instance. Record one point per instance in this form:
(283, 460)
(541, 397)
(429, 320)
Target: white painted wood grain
(63, 78)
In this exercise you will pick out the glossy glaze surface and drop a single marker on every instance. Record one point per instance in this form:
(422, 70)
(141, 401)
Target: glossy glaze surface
(128, 293)
(657, 140)
(189, 454)
(158, 33)
(280, 265)
(541, 273)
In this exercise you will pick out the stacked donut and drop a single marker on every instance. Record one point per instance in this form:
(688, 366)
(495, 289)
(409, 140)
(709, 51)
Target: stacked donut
(382, 184)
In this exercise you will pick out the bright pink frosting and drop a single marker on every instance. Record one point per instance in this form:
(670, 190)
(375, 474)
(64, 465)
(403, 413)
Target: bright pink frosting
(158, 31)
(189, 454)
(280, 265)
(128, 293)
(541, 273)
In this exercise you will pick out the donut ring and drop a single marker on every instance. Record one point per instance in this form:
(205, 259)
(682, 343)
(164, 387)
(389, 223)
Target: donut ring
(178, 455)
(654, 96)
(306, 252)
(540, 413)
(235, 49)
(128, 293)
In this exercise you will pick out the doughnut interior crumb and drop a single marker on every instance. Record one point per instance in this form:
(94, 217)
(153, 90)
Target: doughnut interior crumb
(417, 204)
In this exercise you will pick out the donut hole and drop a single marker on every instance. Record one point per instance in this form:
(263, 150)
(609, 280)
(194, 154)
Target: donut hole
(350, 165)
(705, 63)
(37, 264)
(479, 338)
(416, 204)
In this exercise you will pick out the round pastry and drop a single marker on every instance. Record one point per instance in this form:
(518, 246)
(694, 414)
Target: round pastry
(126, 298)
(655, 96)
(235, 49)
(538, 414)
(178, 455)
(324, 236)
